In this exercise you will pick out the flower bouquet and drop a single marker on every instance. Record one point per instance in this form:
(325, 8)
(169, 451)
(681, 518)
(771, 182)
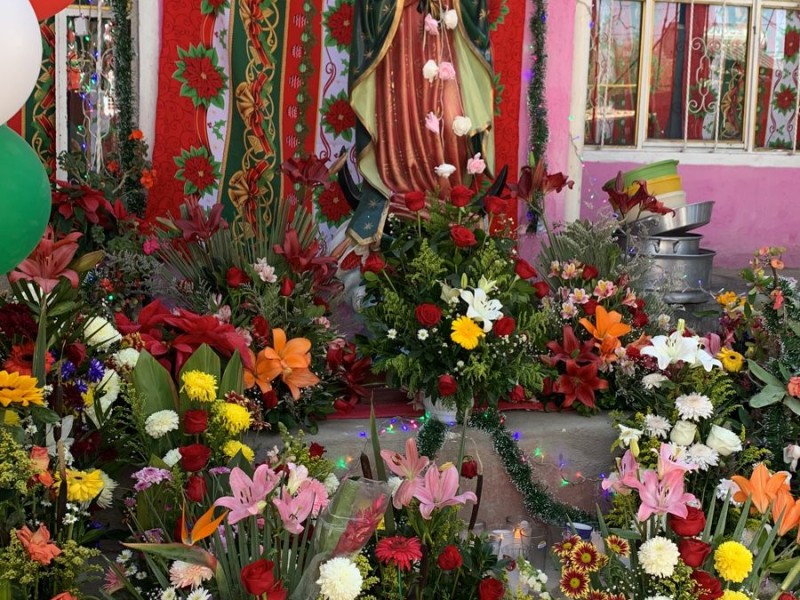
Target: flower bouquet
(450, 307)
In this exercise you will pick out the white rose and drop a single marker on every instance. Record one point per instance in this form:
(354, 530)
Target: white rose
(430, 70)
(99, 333)
(445, 170)
(683, 433)
(723, 441)
(450, 19)
(462, 126)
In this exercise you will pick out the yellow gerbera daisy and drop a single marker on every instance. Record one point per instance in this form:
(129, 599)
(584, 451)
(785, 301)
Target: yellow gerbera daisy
(733, 561)
(731, 360)
(19, 389)
(233, 447)
(82, 486)
(466, 333)
(235, 418)
(199, 386)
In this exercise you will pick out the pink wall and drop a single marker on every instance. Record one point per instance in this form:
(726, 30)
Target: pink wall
(755, 206)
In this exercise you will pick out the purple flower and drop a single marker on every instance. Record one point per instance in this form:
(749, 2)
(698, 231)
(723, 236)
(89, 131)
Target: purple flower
(219, 470)
(81, 385)
(67, 370)
(150, 476)
(96, 370)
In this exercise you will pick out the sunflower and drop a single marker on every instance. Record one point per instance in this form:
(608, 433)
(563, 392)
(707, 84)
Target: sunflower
(466, 333)
(19, 389)
(618, 546)
(574, 583)
(199, 386)
(585, 556)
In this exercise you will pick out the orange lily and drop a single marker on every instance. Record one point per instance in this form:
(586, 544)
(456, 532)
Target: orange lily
(291, 360)
(787, 510)
(762, 487)
(205, 526)
(257, 377)
(606, 324)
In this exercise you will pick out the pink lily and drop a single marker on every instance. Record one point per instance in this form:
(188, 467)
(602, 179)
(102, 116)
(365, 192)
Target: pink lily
(662, 496)
(409, 467)
(666, 465)
(249, 495)
(625, 478)
(49, 262)
(439, 490)
(298, 475)
(295, 510)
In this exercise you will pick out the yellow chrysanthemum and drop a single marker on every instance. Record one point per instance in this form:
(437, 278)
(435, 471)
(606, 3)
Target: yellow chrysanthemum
(731, 360)
(733, 561)
(82, 486)
(466, 333)
(10, 418)
(19, 389)
(88, 397)
(235, 418)
(734, 595)
(199, 386)
(233, 447)
(727, 299)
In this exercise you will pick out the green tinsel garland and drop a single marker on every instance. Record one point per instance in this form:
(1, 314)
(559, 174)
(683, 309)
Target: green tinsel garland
(134, 196)
(537, 108)
(536, 498)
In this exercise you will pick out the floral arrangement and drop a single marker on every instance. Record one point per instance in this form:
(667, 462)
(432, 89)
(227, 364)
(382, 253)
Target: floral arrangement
(450, 307)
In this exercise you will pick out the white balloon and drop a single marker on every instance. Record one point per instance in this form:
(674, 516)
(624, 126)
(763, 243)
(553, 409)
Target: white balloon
(21, 52)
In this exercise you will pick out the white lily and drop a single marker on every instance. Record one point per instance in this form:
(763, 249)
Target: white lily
(450, 294)
(481, 308)
(670, 349)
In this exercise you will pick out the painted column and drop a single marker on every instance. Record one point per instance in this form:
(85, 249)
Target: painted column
(149, 29)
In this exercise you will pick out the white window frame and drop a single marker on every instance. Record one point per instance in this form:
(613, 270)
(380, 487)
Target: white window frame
(691, 152)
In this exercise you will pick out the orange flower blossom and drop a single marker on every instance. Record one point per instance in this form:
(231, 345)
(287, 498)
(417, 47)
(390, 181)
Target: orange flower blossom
(291, 360)
(762, 487)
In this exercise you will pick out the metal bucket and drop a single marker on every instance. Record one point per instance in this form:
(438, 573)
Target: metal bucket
(687, 276)
(685, 218)
(680, 244)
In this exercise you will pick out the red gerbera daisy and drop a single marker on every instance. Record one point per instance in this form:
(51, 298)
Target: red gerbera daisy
(566, 546)
(596, 595)
(333, 204)
(20, 359)
(340, 24)
(618, 546)
(399, 551)
(585, 556)
(574, 583)
(340, 116)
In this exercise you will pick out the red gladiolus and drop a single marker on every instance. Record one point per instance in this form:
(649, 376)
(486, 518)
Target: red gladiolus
(460, 196)
(415, 201)
(450, 558)
(428, 315)
(542, 289)
(399, 551)
(258, 580)
(287, 287)
(462, 237)
(694, 552)
(196, 488)
(589, 272)
(194, 457)
(195, 421)
(491, 589)
(708, 586)
(692, 524)
(447, 386)
(236, 277)
(373, 264)
(469, 469)
(524, 269)
(495, 205)
(316, 450)
(579, 383)
(504, 326)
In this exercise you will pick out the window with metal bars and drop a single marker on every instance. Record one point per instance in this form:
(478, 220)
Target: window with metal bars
(712, 74)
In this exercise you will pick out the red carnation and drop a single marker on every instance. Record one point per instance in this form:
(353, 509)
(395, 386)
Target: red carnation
(194, 457)
(640, 319)
(195, 422)
(692, 524)
(504, 326)
(447, 386)
(542, 289)
(415, 201)
(196, 488)
(373, 264)
(287, 287)
(449, 558)
(694, 552)
(589, 272)
(460, 196)
(708, 586)
(491, 589)
(428, 315)
(399, 551)
(469, 469)
(258, 580)
(462, 237)
(269, 399)
(236, 277)
(524, 269)
(316, 450)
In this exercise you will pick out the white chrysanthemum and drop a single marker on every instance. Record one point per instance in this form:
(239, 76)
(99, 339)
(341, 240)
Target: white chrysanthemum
(169, 594)
(658, 557)
(106, 497)
(127, 358)
(200, 594)
(658, 598)
(693, 407)
(653, 381)
(657, 426)
(702, 456)
(100, 333)
(339, 579)
(161, 423)
(725, 487)
(628, 435)
(331, 484)
(172, 458)
(183, 574)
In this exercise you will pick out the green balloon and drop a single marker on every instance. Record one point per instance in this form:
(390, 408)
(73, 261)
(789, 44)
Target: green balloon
(25, 199)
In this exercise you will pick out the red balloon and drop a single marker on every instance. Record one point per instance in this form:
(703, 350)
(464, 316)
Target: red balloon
(47, 8)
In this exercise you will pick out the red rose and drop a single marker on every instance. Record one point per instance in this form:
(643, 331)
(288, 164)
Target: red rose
(694, 552)
(316, 450)
(196, 488)
(258, 580)
(692, 524)
(542, 289)
(708, 586)
(428, 315)
(504, 326)
(269, 399)
(462, 237)
(287, 287)
(195, 422)
(524, 269)
(449, 559)
(787, 596)
(236, 277)
(640, 319)
(517, 394)
(447, 386)
(373, 264)
(194, 457)
(589, 272)
(469, 470)
(491, 589)
(261, 329)
(75, 352)
(590, 307)
(460, 196)
(415, 201)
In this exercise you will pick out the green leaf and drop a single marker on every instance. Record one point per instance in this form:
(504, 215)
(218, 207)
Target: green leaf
(203, 359)
(40, 349)
(763, 374)
(190, 554)
(794, 326)
(44, 415)
(793, 404)
(782, 567)
(370, 276)
(769, 395)
(233, 378)
(154, 385)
